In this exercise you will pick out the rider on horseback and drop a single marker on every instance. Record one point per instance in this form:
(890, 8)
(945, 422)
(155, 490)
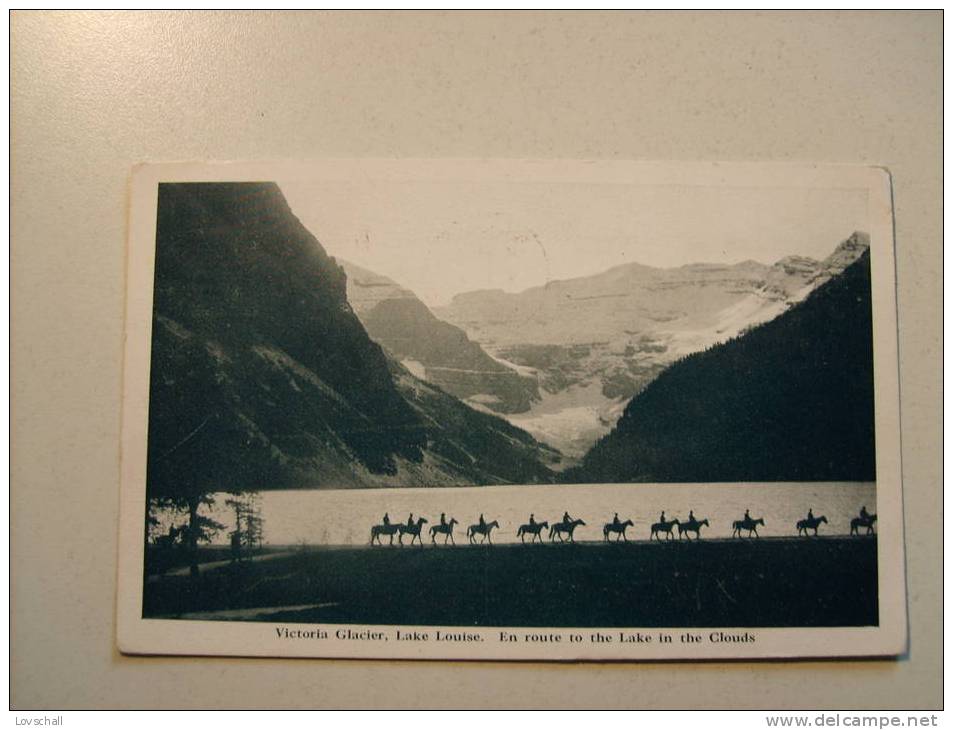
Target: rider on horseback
(443, 519)
(566, 518)
(691, 516)
(810, 514)
(410, 520)
(662, 517)
(386, 519)
(532, 520)
(616, 521)
(864, 514)
(482, 521)
(747, 517)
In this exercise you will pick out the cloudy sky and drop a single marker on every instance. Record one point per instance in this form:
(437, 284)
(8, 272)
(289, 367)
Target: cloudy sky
(443, 238)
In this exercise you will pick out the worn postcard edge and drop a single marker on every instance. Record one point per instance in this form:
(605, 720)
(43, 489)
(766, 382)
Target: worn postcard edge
(136, 635)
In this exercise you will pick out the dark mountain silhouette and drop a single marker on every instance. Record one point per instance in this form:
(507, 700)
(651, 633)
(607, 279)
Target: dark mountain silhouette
(790, 400)
(263, 377)
(596, 341)
(466, 446)
(450, 359)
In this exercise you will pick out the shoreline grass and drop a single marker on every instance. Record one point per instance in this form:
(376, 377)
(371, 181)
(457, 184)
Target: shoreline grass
(781, 582)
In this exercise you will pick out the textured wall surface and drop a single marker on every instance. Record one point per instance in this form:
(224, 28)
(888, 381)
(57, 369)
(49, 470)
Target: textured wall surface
(93, 94)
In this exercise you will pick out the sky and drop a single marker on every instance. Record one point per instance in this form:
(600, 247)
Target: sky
(440, 239)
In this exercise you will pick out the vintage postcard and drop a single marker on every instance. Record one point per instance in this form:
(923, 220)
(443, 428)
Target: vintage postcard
(499, 409)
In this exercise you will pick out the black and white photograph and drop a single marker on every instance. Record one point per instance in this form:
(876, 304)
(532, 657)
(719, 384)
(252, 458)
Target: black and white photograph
(477, 360)
(500, 409)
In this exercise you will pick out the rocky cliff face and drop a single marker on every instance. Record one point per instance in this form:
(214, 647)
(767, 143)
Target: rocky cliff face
(789, 400)
(436, 351)
(467, 446)
(263, 376)
(596, 341)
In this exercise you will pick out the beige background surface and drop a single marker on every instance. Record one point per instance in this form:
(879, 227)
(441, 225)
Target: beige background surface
(92, 94)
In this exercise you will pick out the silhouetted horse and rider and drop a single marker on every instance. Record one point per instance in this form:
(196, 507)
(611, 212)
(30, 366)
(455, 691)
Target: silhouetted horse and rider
(176, 535)
(444, 528)
(809, 523)
(386, 528)
(567, 527)
(691, 525)
(482, 527)
(663, 525)
(616, 526)
(746, 523)
(866, 520)
(532, 528)
(411, 527)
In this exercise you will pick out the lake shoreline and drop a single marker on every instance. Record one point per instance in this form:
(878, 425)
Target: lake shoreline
(767, 582)
(345, 517)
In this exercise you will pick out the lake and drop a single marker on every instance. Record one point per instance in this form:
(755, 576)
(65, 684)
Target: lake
(344, 517)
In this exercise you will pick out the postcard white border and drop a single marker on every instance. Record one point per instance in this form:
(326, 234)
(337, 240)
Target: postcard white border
(137, 635)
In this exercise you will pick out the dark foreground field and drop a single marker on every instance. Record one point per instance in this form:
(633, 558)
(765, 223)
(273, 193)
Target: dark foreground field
(750, 583)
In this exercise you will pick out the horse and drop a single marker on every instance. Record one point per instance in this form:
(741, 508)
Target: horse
(569, 528)
(485, 530)
(378, 530)
(692, 526)
(809, 523)
(746, 524)
(861, 522)
(446, 529)
(618, 528)
(533, 530)
(413, 530)
(162, 557)
(665, 527)
(175, 536)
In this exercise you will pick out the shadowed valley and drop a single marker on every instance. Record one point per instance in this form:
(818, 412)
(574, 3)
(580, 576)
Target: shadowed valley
(264, 378)
(789, 400)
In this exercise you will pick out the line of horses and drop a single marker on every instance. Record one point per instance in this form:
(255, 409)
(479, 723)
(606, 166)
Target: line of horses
(414, 529)
(564, 531)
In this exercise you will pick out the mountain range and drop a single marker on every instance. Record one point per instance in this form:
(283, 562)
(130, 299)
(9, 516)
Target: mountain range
(433, 349)
(789, 400)
(276, 366)
(594, 342)
(263, 376)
